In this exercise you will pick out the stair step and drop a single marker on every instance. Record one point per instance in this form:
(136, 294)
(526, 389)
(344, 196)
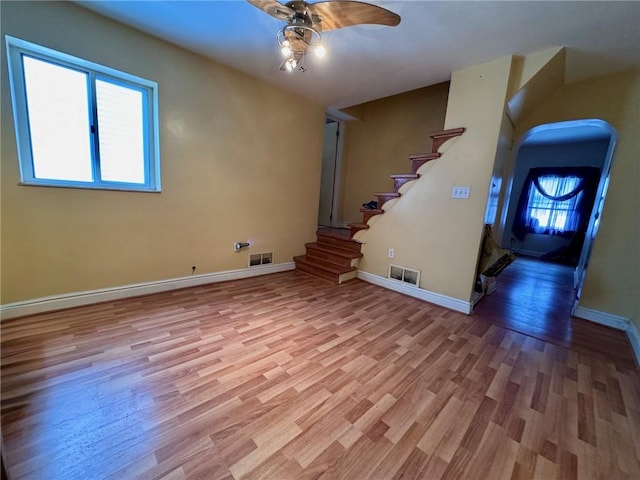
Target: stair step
(385, 197)
(367, 213)
(356, 227)
(401, 179)
(337, 251)
(441, 136)
(331, 240)
(337, 256)
(325, 269)
(420, 159)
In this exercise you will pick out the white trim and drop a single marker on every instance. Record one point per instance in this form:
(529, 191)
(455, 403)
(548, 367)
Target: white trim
(419, 293)
(603, 318)
(94, 72)
(633, 332)
(614, 321)
(58, 302)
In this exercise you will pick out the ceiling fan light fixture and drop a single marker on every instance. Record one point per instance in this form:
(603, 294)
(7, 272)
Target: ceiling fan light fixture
(305, 21)
(290, 64)
(300, 33)
(285, 48)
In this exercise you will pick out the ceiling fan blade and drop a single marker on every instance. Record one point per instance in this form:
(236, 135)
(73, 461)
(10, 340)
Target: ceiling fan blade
(273, 8)
(339, 14)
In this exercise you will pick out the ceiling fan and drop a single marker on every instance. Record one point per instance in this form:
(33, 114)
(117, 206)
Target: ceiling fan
(307, 21)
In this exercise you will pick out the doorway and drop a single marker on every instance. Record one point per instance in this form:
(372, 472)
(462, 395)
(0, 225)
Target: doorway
(331, 174)
(548, 165)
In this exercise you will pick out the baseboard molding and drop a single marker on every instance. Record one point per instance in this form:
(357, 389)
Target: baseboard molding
(431, 297)
(603, 318)
(613, 321)
(633, 332)
(76, 299)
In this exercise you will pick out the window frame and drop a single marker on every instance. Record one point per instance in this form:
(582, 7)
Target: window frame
(16, 49)
(538, 202)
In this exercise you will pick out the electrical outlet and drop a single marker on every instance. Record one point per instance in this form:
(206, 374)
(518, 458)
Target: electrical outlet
(391, 253)
(460, 192)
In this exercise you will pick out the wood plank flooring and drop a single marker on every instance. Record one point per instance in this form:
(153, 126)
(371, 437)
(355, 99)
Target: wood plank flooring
(290, 377)
(535, 297)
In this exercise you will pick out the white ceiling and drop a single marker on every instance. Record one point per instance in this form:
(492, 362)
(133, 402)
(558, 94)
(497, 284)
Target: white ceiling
(367, 62)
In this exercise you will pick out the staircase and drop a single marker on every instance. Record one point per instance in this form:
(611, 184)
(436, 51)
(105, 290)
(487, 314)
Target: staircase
(335, 254)
(437, 139)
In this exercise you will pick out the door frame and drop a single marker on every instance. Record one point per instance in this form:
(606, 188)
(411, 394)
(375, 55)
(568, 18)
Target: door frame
(337, 175)
(598, 204)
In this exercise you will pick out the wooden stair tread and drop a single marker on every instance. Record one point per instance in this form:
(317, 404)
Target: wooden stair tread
(333, 232)
(359, 225)
(425, 156)
(440, 137)
(324, 265)
(319, 233)
(374, 211)
(337, 251)
(405, 175)
(388, 194)
(452, 132)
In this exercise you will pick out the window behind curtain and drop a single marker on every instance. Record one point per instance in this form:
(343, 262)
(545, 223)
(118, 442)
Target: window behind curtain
(553, 216)
(556, 201)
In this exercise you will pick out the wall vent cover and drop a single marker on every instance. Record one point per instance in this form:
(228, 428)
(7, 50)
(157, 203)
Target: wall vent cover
(403, 274)
(257, 259)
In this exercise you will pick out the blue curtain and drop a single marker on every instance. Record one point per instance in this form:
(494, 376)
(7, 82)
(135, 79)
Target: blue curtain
(556, 201)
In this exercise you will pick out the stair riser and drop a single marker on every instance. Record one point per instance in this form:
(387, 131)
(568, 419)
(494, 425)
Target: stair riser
(366, 216)
(333, 250)
(438, 138)
(417, 163)
(327, 257)
(355, 230)
(316, 272)
(418, 160)
(399, 182)
(382, 199)
(337, 242)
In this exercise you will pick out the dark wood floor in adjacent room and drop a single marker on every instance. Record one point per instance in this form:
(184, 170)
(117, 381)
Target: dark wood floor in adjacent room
(535, 297)
(289, 377)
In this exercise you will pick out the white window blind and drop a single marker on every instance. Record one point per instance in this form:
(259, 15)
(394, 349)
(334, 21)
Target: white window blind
(80, 124)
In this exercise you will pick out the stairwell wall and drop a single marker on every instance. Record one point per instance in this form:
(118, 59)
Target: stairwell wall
(429, 230)
(380, 141)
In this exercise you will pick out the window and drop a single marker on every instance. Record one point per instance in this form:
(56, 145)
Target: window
(551, 216)
(556, 201)
(79, 124)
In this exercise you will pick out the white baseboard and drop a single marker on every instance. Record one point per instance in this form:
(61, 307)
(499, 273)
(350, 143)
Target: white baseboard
(603, 318)
(76, 299)
(633, 332)
(432, 297)
(613, 321)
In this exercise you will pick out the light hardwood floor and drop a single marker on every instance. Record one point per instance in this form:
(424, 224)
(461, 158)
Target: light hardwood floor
(289, 377)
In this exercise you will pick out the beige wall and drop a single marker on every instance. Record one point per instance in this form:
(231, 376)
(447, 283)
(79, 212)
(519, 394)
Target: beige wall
(612, 283)
(379, 143)
(429, 230)
(224, 176)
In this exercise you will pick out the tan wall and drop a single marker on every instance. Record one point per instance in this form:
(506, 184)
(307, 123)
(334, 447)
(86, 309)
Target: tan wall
(612, 283)
(380, 142)
(429, 230)
(224, 176)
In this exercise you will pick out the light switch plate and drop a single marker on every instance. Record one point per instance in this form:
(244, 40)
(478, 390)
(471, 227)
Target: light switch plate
(460, 192)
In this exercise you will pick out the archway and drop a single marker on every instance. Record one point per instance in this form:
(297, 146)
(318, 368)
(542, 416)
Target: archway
(545, 190)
